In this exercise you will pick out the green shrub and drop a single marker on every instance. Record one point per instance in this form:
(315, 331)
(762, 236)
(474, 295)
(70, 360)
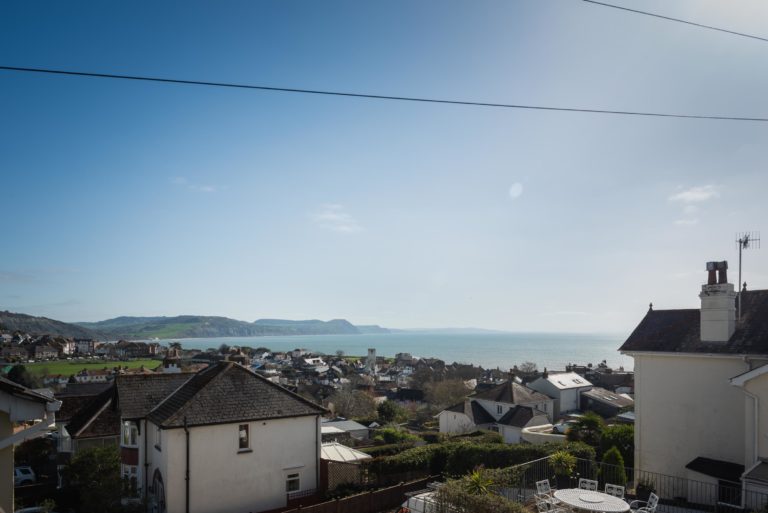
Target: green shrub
(433, 437)
(386, 450)
(392, 435)
(612, 471)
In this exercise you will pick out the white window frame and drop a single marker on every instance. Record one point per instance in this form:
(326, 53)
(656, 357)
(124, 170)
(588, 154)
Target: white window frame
(290, 479)
(247, 447)
(130, 434)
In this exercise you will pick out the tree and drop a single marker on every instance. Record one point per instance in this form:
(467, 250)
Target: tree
(223, 349)
(587, 429)
(621, 436)
(95, 474)
(441, 394)
(352, 403)
(612, 470)
(19, 374)
(175, 345)
(390, 411)
(340, 353)
(528, 368)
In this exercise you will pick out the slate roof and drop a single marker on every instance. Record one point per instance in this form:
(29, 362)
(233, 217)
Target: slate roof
(512, 393)
(673, 331)
(345, 425)
(83, 389)
(608, 397)
(519, 416)
(138, 394)
(480, 415)
(98, 418)
(226, 393)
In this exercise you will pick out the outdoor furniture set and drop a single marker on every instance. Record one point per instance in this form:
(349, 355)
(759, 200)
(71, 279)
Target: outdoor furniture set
(588, 499)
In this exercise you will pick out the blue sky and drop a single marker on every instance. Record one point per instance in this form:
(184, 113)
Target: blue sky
(124, 198)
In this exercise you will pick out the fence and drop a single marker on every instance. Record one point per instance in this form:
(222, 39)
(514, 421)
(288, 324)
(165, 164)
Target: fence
(677, 494)
(368, 502)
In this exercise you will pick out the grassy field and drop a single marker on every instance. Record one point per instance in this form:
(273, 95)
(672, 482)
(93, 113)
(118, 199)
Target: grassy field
(68, 367)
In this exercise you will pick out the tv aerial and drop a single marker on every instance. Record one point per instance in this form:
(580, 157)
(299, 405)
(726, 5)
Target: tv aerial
(745, 240)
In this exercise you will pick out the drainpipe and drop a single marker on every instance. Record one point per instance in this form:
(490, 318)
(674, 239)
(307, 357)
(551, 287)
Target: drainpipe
(317, 457)
(146, 466)
(186, 477)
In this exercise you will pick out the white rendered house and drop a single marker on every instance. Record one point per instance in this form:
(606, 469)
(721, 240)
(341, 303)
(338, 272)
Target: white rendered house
(507, 409)
(222, 440)
(564, 388)
(701, 392)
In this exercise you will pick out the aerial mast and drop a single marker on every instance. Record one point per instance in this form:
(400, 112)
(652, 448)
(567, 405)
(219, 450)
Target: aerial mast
(745, 240)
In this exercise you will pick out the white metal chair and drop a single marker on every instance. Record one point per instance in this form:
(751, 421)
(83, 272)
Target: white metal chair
(543, 487)
(615, 490)
(544, 492)
(587, 484)
(545, 505)
(649, 505)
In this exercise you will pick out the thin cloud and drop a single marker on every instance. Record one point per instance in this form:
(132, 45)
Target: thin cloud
(336, 218)
(515, 190)
(185, 183)
(687, 221)
(696, 194)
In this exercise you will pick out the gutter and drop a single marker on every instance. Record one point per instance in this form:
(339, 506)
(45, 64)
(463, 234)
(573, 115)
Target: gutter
(48, 423)
(186, 475)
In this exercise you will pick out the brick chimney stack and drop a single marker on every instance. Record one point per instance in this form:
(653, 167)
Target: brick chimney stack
(718, 304)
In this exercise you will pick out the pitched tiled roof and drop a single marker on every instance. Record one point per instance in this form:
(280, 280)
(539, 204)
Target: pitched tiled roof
(680, 331)
(138, 394)
(512, 393)
(228, 392)
(519, 416)
(479, 415)
(98, 418)
(608, 397)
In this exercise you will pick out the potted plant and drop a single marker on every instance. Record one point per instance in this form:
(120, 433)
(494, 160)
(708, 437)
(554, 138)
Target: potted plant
(645, 487)
(563, 464)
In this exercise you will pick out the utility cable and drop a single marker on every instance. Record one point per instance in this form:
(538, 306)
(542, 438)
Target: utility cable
(669, 18)
(377, 96)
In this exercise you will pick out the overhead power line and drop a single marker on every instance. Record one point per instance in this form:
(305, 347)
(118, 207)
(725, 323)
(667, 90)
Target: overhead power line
(377, 96)
(669, 18)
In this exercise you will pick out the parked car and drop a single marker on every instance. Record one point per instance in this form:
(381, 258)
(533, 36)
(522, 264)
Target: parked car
(563, 427)
(23, 476)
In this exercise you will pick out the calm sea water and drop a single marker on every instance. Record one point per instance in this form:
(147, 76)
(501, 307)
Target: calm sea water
(490, 350)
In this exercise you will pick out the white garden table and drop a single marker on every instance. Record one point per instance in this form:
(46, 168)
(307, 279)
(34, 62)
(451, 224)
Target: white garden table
(591, 501)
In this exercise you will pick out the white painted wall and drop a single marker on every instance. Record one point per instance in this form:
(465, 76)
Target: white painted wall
(454, 423)
(686, 407)
(513, 435)
(225, 480)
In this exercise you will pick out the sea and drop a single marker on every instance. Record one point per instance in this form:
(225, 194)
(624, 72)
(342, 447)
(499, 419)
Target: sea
(489, 350)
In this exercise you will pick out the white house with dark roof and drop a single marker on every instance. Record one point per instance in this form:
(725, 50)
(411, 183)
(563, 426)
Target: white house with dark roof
(564, 388)
(224, 439)
(701, 393)
(19, 404)
(507, 409)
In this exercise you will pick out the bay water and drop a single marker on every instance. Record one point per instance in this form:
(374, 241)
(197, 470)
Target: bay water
(489, 350)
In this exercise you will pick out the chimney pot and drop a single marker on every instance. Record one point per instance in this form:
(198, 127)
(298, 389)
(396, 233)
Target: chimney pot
(744, 287)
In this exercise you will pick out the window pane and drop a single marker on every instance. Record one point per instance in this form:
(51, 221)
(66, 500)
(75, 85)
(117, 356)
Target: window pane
(243, 437)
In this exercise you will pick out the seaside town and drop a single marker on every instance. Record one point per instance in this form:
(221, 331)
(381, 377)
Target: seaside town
(435, 256)
(240, 428)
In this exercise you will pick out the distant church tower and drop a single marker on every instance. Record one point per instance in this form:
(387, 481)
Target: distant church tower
(372, 361)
